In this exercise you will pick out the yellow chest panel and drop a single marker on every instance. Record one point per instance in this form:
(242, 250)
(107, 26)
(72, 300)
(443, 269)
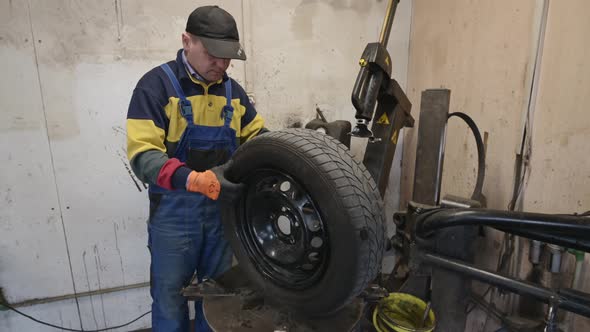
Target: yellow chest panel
(206, 112)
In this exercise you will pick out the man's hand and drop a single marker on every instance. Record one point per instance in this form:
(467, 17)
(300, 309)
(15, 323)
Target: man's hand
(205, 183)
(213, 184)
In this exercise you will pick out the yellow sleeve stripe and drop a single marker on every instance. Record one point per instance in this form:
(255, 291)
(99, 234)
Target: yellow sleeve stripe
(252, 128)
(143, 135)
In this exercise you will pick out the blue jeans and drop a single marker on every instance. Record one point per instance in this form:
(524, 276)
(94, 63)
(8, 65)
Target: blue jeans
(185, 235)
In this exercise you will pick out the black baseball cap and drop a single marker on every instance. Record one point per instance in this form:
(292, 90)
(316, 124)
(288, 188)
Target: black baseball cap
(217, 29)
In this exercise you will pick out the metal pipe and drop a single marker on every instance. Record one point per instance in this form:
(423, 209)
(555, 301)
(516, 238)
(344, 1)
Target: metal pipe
(517, 286)
(564, 241)
(535, 252)
(576, 295)
(574, 226)
(78, 295)
(388, 22)
(555, 251)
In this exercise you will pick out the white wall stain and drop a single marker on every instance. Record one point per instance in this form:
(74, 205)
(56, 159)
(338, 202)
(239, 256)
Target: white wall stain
(99, 268)
(116, 228)
(61, 320)
(89, 289)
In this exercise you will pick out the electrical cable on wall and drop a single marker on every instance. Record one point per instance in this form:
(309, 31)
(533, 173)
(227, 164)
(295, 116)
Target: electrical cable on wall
(68, 329)
(481, 157)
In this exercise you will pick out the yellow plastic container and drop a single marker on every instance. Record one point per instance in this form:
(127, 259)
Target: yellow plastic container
(402, 312)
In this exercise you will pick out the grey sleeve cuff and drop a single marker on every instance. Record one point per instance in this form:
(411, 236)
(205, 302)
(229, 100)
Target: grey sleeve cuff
(147, 165)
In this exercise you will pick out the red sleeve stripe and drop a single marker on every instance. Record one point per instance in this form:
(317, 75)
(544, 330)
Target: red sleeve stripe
(165, 175)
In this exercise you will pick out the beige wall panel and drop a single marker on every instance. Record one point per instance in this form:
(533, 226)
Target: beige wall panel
(560, 164)
(481, 50)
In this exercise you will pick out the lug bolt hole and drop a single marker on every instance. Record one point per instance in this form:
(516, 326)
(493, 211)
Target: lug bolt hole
(316, 242)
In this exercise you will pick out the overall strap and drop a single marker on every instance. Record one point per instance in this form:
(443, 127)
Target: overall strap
(228, 110)
(186, 109)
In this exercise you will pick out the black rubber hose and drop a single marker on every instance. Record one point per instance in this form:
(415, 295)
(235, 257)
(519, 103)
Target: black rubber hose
(481, 157)
(576, 227)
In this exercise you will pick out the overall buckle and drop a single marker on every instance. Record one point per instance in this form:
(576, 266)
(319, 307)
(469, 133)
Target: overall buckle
(186, 108)
(227, 111)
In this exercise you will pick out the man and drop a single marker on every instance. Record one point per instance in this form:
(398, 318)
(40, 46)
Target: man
(185, 120)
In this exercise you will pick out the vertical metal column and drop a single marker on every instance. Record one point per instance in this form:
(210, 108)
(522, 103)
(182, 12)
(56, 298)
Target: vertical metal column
(448, 289)
(434, 110)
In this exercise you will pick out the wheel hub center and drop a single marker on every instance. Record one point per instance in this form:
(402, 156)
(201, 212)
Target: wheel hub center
(284, 225)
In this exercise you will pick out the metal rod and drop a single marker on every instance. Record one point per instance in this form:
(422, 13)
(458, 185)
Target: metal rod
(388, 22)
(77, 295)
(517, 286)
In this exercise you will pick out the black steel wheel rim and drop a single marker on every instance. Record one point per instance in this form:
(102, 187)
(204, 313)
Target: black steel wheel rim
(282, 230)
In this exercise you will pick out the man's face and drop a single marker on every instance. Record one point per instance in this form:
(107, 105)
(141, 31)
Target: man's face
(208, 66)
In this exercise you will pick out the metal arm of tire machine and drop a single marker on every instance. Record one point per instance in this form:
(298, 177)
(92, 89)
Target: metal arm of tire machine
(375, 87)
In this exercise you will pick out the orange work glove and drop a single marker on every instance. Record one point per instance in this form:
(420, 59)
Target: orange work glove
(205, 183)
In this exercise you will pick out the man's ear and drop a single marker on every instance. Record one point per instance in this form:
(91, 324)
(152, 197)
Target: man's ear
(185, 40)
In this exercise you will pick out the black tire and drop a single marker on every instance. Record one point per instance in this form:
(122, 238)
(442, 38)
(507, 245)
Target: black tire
(326, 185)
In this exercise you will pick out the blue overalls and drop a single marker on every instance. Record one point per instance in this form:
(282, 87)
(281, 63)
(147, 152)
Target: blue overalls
(185, 231)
